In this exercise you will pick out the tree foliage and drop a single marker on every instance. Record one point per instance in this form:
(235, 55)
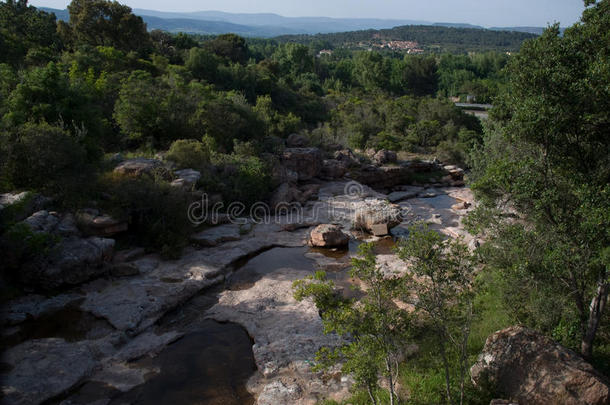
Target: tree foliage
(547, 158)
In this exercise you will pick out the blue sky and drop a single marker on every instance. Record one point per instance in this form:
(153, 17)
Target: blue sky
(480, 12)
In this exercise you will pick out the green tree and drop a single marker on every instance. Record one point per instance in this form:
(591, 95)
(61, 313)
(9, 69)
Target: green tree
(107, 23)
(440, 286)
(46, 158)
(374, 329)
(229, 46)
(25, 29)
(547, 157)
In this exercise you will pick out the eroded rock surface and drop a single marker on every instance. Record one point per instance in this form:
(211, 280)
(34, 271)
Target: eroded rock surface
(328, 235)
(525, 365)
(43, 369)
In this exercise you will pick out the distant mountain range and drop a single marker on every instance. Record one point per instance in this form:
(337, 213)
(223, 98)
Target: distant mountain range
(270, 25)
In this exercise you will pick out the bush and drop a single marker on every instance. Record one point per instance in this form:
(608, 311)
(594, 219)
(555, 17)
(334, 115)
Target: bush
(189, 153)
(20, 247)
(244, 179)
(45, 158)
(155, 211)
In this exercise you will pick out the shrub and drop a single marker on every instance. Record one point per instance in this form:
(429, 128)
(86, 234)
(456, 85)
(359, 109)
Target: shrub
(20, 247)
(46, 158)
(155, 211)
(188, 153)
(245, 179)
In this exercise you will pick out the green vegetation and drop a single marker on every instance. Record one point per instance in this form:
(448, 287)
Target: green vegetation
(546, 157)
(430, 38)
(377, 328)
(75, 93)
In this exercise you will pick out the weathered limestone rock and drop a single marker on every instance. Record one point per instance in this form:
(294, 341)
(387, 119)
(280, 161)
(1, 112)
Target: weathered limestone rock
(72, 261)
(309, 192)
(333, 169)
(138, 167)
(306, 162)
(327, 235)
(347, 156)
(371, 212)
(284, 194)
(524, 365)
(43, 369)
(384, 156)
(217, 234)
(67, 226)
(42, 221)
(93, 223)
(401, 195)
(186, 178)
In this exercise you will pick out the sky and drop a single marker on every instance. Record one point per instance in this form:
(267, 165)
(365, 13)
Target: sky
(479, 12)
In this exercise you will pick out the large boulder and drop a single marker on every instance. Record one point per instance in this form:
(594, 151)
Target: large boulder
(376, 216)
(305, 162)
(328, 235)
(384, 156)
(73, 261)
(333, 169)
(138, 167)
(348, 157)
(532, 369)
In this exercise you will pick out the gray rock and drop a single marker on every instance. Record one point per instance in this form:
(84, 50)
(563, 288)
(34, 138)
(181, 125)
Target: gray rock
(43, 369)
(333, 169)
(374, 212)
(67, 226)
(306, 162)
(284, 194)
(384, 156)
(138, 167)
(401, 195)
(328, 235)
(217, 234)
(532, 369)
(124, 270)
(42, 221)
(348, 157)
(34, 306)
(72, 262)
(186, 178)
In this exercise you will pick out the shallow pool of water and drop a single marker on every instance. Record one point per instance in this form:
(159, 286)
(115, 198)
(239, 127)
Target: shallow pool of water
(209, 366)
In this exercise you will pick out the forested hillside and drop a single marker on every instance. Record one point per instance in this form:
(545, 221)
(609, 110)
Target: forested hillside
(430, 38)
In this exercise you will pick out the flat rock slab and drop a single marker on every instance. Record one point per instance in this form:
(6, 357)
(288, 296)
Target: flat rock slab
(217, 235)
(43, 369)
(401, 195)
(34, 306)
(287, 335)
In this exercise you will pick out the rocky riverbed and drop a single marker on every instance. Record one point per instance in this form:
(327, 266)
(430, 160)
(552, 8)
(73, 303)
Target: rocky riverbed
(223, 310)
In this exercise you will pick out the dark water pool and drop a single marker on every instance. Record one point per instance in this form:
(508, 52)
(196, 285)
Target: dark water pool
(209, 366)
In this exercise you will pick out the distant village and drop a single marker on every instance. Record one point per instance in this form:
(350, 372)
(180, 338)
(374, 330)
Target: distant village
(411, 47)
